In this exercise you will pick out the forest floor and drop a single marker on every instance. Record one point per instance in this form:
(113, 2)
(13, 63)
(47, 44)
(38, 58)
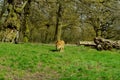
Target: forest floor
(41, 62)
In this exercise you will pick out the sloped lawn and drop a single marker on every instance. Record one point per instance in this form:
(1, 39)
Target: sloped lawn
(40, 62)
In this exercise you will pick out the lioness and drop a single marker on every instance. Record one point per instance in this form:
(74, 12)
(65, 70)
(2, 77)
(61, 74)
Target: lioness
(60, 45)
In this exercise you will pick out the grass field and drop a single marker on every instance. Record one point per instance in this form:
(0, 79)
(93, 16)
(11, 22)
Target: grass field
(40, 62)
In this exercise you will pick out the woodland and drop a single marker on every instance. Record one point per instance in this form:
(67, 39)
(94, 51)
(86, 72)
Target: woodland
(46, 21)
(30, 28)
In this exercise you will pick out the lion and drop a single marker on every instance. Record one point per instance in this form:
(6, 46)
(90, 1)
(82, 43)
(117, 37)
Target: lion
(60, 45)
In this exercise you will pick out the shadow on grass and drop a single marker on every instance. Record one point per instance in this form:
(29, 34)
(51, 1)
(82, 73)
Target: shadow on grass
(54, 50)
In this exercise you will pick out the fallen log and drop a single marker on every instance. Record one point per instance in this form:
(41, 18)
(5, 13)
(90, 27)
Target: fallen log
(101, 43)
(106, 44)
(116, 44)
(87, 43)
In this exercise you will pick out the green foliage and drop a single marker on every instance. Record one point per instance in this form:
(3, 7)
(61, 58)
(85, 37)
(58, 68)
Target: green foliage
(39, 61)
(74, 14)
(45, 20)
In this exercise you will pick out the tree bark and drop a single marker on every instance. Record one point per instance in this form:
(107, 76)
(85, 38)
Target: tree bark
(27, 21)
(13, 23)
(58, 26)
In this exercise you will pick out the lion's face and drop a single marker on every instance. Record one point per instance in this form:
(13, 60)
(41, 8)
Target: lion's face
(60, 45)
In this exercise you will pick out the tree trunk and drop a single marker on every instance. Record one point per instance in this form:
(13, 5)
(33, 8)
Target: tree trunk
(13, 22)
(98, 33)
(11, 25)
(27, 22)
(58, 26)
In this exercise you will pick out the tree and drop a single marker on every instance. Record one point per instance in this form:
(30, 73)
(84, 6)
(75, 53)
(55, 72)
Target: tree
(26, 22)
(100, 14)
(12, 23)
(70, 20)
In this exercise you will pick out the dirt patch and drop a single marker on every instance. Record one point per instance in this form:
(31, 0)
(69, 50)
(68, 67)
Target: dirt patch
(46, 74)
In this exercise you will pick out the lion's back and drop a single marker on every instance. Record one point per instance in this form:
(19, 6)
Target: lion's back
(60, 44)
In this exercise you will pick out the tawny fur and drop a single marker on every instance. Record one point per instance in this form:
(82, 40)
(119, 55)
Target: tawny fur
(60, 45)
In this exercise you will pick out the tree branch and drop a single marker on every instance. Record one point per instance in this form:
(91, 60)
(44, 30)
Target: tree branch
(23, 6)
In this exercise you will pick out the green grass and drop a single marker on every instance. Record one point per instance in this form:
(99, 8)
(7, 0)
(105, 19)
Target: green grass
(40, 62)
